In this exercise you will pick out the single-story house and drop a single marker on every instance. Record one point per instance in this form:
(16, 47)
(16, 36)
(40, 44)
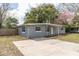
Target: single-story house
(32, 30)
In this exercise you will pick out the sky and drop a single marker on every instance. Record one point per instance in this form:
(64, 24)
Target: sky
(13, 6)
(20, 8)
(24, 5)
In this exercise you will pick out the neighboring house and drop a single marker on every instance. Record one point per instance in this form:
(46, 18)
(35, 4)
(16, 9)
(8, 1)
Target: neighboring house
(32, 30)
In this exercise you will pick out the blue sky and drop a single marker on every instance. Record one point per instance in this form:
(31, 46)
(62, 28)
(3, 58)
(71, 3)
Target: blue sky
(13, 6)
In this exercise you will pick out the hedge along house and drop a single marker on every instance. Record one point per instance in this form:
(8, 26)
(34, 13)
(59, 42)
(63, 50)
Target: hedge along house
(73, 29)
(32, 30)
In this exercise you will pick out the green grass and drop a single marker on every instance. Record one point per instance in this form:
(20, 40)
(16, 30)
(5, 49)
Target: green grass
(74, 37)
(7, 48)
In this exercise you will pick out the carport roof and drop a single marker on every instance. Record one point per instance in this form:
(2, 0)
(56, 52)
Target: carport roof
(31, 24)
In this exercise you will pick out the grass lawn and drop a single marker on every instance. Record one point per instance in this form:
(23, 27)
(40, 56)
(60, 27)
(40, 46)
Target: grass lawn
(7, 48)
(72, 37)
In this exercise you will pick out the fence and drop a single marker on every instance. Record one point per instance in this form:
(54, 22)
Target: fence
(6, 32)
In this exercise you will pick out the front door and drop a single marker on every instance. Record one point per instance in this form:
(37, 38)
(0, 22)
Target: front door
(52, 31)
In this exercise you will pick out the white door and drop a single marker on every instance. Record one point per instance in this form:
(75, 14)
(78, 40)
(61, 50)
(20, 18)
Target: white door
(52, 30)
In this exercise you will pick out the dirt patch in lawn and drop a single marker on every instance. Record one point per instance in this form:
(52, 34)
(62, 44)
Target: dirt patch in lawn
(7, 48)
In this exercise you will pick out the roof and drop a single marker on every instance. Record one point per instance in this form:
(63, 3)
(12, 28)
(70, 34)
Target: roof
(30, 24)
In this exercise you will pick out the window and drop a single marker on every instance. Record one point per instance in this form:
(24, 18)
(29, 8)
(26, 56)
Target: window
(23, 29)
(62, 28)
(37, 29)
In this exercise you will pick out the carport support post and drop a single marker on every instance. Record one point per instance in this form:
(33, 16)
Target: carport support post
(58, 30)
(28, 33)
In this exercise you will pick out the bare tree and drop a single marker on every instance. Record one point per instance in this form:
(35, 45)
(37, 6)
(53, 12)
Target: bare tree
(72, 7)
(4, 7)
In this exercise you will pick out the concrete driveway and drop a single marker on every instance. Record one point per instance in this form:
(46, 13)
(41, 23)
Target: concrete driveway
(47, 47)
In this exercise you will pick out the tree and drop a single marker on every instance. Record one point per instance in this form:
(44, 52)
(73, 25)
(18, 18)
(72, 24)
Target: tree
(72, 7)
(65, 17)
(4, 7)
(76, 18)
(45, 13)
(11, 22)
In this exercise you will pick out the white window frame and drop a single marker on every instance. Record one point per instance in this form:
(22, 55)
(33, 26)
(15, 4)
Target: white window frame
(36, 30)
(23, 31)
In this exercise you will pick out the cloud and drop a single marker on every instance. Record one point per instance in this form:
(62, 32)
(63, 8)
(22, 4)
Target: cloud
(19, 12)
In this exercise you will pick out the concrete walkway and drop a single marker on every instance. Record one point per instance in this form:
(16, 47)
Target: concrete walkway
(47, 47)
